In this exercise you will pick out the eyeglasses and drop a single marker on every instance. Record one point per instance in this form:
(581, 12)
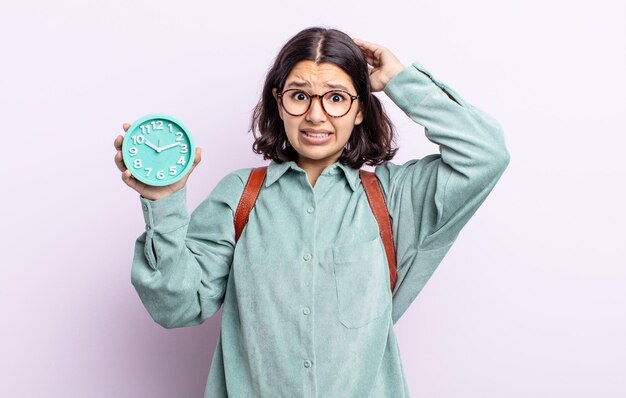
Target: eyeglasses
(335, 103)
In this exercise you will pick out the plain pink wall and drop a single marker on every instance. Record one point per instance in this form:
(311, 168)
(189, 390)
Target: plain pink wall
(531, 299)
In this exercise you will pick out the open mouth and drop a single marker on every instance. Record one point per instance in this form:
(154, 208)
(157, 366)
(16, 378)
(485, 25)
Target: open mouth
(312, 138)
(316, 135)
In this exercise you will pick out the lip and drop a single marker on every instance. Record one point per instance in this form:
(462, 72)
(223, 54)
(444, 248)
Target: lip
(314, 140)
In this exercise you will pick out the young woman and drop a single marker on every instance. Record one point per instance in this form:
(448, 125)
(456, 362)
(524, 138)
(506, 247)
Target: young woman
(307, 305)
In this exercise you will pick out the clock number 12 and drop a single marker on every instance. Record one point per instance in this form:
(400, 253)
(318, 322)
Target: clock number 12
(156, 125)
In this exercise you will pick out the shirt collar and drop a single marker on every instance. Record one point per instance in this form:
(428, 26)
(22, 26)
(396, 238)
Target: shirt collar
(276, 170)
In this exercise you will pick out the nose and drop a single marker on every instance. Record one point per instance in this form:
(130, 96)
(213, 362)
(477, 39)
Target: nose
(316, 113)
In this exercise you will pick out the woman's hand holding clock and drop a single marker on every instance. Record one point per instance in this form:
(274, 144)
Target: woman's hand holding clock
(149, 191)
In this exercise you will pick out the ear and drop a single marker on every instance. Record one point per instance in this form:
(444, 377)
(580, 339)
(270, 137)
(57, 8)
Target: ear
(280, 108)
(360, 115)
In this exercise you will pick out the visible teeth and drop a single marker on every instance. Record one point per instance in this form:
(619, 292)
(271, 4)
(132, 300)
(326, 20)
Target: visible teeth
(317, 135)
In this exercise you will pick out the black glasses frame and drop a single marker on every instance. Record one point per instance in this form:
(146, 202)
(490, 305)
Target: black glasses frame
(320, 96)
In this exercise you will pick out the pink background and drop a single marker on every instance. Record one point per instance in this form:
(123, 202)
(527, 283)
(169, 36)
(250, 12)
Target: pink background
(530, 301)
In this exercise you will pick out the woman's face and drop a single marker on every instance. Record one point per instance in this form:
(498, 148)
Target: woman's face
(318, 138)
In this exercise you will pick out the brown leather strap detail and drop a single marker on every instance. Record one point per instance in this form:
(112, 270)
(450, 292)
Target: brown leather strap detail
(381, 213)
(248, 198)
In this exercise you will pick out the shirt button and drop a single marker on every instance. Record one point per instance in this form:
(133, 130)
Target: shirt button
(306, 310)
(145, 207)
(306, 257)
(307, 364)
(310, 210)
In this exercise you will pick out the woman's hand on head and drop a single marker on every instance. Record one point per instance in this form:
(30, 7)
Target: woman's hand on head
(149, 191)
(384, 65)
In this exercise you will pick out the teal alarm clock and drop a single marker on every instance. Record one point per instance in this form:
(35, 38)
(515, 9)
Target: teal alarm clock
(158, 150)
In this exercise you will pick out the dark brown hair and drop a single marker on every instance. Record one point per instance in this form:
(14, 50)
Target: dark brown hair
(371, 142)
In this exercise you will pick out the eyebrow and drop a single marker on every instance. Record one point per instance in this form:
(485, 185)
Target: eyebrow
(306, 84)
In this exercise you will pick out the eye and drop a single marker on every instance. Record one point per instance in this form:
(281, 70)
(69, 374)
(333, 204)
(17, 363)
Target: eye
(337, 97)
(299, 96)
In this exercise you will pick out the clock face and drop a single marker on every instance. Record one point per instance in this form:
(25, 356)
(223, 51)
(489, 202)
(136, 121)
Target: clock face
(158, 150)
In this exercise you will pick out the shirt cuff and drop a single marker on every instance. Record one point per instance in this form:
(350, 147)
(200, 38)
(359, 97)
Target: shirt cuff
(413, 85)
(166, 214)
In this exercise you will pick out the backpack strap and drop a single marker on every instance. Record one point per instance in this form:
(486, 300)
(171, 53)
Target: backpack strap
(248, 198)
(381, 213)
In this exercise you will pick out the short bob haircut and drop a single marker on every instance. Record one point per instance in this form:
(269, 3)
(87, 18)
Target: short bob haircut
(372, 141)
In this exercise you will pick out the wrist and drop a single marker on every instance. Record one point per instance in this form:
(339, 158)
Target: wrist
(394, 71)
(154, 198)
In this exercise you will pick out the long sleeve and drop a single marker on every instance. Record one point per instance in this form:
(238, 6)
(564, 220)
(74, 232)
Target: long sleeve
(181, 262)
(431, 199)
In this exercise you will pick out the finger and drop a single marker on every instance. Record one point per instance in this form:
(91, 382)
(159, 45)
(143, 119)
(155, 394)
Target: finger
(368, 47)
(119, 162)
(132, 182)
(128, 180)
(365, 44)
(371, 60)
(126, 126)
(196, 160)
(372, 56)
(198, 157)
(366, 51)
(117, 143)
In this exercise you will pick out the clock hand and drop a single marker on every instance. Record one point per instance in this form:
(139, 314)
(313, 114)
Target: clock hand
(170, 146)
(151, 145)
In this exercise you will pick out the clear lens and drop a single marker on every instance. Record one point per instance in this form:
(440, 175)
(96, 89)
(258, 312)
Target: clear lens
(296, 102)
(336, 103)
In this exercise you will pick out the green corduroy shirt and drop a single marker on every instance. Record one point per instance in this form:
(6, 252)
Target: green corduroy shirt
(306, 305)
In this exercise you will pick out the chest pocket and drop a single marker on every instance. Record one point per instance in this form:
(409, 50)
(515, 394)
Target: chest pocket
(362, 281)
